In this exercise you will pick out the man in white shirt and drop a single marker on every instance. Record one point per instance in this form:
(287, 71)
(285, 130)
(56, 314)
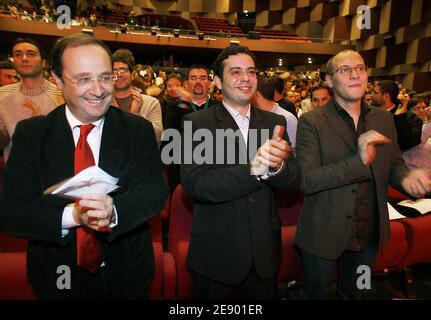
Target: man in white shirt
(234, 217)
(46, 150)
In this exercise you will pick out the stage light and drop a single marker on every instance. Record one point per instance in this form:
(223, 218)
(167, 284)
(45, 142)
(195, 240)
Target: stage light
(200, 35)
(176, 33)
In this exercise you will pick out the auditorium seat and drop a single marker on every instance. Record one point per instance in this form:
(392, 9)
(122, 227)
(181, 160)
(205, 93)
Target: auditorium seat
(12, 244)
(418, 231)
(392, 255)
(178, 240)
(289, 205)
(13, 277)
(291, 265)
(163, 283)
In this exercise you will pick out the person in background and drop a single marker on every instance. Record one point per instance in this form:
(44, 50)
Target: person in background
(8, 73)
(175, 104)
(320, 95)
(129, 98)
(198, 84)
(278, 96)
(32, 96)
(408, 125)
(264, 99)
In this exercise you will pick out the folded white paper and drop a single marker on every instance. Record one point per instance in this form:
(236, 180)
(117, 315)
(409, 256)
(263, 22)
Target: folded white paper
(421, 205)
(92, 180)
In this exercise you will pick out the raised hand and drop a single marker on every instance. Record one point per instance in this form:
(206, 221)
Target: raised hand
(367, 143)
(417, 183)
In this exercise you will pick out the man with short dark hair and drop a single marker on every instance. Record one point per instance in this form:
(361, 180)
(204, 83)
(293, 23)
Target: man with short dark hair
(264, 100)
(235, 243)
(278, 96)
(198, 84)
(32, 96)
(103, 239)
(8, 73)
(409, 126)
(320, 95)
(129, 98)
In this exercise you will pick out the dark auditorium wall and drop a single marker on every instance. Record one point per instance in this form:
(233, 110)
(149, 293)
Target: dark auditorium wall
(397, 45)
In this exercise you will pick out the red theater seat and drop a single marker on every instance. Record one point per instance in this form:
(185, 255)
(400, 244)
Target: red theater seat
(418, 232)
(13, 277)
(291, 264)
(179, 235)
(289, 205)
(394, 251)
(12, 244)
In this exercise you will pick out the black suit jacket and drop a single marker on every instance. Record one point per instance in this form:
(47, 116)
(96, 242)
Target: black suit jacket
(331, 169)
(235, 220)
(42, 154)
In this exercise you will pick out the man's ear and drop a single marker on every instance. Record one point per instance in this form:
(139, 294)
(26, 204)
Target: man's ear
(329, 81)
(386, 96)
(58, 81)
(218, 82)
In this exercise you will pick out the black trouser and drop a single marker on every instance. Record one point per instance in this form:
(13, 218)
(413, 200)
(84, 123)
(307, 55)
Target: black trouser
(252, 288)
(318, 273)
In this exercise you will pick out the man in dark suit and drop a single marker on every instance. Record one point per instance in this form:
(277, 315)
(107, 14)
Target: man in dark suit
(235, 244)
(408, 125)
(120, 262)
(348, 155)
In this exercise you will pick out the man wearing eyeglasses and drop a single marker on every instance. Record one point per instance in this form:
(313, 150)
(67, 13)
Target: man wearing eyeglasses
(8, 73)
(348, 155)
(32, 96)
(103, 240)
(130, 98)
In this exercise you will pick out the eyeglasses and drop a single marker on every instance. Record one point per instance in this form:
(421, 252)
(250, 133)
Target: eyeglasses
(346, 70)
(194, 78)
(121, 70)
(86, 82)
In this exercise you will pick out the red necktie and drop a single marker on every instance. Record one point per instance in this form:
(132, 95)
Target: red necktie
(88, 251)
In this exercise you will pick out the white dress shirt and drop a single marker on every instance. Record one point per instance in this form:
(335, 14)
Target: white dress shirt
(243, 123)
(94, 139)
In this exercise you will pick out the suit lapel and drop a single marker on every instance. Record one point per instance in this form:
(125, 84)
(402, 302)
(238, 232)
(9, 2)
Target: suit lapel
(337, 125)
(370, 120)
(60, 149)
(112, 147)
